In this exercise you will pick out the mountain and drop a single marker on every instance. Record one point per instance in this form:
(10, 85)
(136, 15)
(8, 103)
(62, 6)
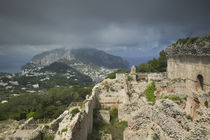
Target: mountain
(99, 58)
(92, 62)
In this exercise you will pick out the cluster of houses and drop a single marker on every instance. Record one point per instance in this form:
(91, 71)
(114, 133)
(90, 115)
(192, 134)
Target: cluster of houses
(10, 86)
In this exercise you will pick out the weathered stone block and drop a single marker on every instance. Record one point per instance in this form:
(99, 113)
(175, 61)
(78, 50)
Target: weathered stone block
(104, 115)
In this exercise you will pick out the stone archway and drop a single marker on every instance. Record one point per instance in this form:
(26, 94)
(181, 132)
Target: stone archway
(200, 81)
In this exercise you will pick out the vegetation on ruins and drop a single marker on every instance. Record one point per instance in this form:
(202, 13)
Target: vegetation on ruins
(177, 80)
(206, 104)
(155, 65)
(203, 132)
(192, 40)
(149, 93)
(46, 137)
(189, 117)
(64, 130)
(155, 137)
(30, 114)
(47, 105)
(74, 111)
(100, 127)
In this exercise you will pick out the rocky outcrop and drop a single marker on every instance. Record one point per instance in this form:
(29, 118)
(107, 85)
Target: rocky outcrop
(190, 47)
(29, 124)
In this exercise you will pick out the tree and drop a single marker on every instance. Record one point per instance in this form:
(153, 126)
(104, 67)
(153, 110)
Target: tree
(162, 61)
(155, 65)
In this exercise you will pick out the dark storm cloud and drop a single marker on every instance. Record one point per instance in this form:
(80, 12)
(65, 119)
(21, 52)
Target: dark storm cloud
(122, 27)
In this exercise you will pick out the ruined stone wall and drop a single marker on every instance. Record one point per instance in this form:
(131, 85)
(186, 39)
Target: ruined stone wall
(84, 122)
(111, 100)
(120, 76)
(112, 92)
(189, 67)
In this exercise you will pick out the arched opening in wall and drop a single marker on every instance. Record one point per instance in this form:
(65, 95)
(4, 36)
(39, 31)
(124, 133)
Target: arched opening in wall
(200, 81)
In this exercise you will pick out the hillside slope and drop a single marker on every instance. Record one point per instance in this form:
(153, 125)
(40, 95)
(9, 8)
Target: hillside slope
(92, 62)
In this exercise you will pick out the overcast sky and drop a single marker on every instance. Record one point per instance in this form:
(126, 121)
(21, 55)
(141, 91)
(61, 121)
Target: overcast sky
(128, 28)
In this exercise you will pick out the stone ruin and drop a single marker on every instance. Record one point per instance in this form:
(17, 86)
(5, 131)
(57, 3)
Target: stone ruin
(191, 61)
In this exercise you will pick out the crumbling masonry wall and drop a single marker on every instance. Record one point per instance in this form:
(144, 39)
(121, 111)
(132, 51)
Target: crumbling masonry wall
(189, 67)
(84, 123)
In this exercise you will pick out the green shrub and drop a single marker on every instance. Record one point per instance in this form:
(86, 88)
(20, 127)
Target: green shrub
(203, 132)
(114, 115)
(130, 78)
(45, 137)
(162, 96)
(155, 137)
(149, 93)
(53, 125)
(74, 111)
(201, 113)
(189, 117)
(64, 130)
(29, 115)
(112, 89)
(175, 98)
(206, 104)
